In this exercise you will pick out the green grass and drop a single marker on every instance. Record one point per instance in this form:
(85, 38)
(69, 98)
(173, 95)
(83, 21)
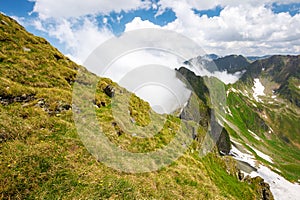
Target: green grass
(282, 145)
(42, 155)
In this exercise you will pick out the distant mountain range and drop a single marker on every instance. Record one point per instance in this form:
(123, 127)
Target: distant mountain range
(229, 63)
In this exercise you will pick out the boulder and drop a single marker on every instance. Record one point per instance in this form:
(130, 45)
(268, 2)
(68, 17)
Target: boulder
(109, 91)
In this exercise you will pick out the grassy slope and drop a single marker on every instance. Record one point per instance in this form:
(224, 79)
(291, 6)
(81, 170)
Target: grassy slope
(277, 124)
(42, 156)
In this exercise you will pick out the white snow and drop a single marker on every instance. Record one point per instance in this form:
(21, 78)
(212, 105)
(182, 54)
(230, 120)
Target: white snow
(228, 111)
(281, 188)
(254, 135)
(230, 90)
(258, 89)
(245, 157)
(274, 96)
(234, 90)
(262, 155)
(271, 130)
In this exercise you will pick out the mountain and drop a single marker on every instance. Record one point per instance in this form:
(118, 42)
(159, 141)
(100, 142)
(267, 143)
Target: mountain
(43, 156)
(211, 56)
(263, 121)
(255, 58)
(283, 71)
(230, 63)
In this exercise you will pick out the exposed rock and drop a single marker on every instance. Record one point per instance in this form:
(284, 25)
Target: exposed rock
(61, 106)
(6, 100)
(99, 103)
(241, 175)
(109, 91)
(4, 22)
(262, 187)
(119, 131)
(220, 135)
(58, 57)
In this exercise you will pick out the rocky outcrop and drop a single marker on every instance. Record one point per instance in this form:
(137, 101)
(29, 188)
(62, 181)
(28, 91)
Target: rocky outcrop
(109, 91)
(6, 100)
(219, 135)
(262, 187)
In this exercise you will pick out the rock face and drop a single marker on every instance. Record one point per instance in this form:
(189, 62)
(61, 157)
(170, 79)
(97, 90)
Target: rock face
(220, 135)
(262, 188)
(109, 91)
(203, 115)
(6, 100)
(283, 70)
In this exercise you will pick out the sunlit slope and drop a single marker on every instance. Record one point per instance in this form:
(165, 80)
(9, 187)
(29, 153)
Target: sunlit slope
(42, 156)
(270, 121)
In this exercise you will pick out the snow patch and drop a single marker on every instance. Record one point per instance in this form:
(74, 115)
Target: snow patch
(245, 157)
(228, 111)
(271, 130)
(280, 187)
(233, 90)
(262, 155)
(254, 135)
(238, 155)
(258, 90)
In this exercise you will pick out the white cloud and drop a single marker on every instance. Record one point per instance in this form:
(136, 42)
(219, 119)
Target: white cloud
(211, 4)
(138, 23)
(80, 37)
(240, 28)
(20, 20)
(248, 28)
(72, 9)
(153, 71)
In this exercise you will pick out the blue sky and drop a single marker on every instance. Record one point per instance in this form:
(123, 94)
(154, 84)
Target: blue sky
(251, 28)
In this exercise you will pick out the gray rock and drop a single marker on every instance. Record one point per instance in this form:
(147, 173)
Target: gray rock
(109, 91)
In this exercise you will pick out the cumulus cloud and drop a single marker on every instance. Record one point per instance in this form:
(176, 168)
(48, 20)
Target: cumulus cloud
(72, 9)
(211, 4)
(138, 23)
(249, 28)
(241, 28)
(80, 37)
